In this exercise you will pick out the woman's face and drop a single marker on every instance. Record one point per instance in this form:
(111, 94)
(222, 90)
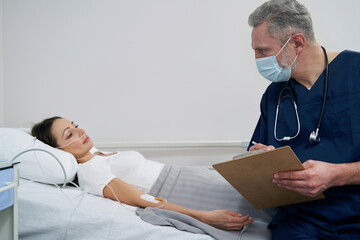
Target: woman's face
(74, 139)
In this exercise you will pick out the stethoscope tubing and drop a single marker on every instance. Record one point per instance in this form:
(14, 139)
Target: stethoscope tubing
(293, 100)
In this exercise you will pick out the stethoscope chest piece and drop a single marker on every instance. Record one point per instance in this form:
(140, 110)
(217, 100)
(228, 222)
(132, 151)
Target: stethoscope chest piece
(314, 137)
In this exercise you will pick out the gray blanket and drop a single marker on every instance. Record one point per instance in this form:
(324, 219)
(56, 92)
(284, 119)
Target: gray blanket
(204, 189)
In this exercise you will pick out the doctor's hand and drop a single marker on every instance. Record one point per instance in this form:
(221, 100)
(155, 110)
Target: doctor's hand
(315, 179)
(225, 219)
(259, 146)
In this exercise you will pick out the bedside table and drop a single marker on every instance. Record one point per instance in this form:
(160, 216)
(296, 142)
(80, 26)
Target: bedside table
(9, 180)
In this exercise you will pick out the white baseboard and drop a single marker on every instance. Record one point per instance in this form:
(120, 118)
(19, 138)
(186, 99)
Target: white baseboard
(172, 144)
(181, 153)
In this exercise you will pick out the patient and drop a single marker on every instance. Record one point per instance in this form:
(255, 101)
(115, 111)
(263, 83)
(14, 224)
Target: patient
(123, 176)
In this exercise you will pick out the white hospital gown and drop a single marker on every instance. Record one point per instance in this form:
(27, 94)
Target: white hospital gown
(129, 166)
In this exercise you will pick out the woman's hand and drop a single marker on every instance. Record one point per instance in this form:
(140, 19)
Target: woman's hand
(222, 219)
(225, 219)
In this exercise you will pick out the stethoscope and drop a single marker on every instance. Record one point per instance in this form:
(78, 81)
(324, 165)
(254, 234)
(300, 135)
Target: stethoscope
(314, 137)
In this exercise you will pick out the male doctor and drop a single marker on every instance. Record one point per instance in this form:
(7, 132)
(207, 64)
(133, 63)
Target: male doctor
(318, 94)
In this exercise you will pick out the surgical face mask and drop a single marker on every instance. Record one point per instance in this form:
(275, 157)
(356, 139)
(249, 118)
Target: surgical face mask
(72, 141)
(270, 69)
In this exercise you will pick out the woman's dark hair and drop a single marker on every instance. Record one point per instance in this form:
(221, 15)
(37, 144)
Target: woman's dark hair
(42, 131)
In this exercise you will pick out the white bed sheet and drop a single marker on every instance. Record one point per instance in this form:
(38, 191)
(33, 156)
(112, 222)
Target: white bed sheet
(46, 212)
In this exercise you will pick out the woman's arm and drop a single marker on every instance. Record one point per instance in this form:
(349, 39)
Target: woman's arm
(222, 219)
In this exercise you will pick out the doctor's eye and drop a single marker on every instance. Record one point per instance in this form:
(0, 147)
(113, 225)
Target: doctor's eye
(261, 51)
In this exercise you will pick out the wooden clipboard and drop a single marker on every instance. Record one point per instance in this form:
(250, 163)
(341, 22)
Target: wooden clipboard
(252, 177)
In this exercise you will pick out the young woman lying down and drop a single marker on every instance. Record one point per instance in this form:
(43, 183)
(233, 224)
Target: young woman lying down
(127, 176)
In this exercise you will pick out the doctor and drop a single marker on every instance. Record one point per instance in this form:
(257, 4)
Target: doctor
(312, 105)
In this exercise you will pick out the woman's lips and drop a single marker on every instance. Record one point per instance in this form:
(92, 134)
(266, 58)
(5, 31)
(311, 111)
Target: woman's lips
(86, 139)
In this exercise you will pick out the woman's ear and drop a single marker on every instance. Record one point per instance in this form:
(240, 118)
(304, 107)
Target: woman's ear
(299, 42)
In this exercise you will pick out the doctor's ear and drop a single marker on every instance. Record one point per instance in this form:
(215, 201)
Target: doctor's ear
(299, 42)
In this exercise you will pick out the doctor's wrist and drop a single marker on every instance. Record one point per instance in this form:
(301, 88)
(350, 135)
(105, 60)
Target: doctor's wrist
(347, 174)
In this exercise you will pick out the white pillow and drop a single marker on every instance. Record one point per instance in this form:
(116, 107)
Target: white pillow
(36, 165)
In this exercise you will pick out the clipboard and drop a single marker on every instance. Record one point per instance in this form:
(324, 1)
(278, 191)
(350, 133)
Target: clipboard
(252, 177)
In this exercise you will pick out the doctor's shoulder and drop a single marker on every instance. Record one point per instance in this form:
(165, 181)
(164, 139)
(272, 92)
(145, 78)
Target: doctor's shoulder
(275, 88)
(346, 57)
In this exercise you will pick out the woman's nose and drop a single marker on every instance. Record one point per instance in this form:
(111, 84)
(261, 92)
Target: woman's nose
(80, 131)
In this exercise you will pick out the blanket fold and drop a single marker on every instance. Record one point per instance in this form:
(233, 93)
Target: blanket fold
(199, 188)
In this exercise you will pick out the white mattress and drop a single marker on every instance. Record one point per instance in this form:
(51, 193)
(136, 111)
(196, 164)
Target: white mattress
(46, 212)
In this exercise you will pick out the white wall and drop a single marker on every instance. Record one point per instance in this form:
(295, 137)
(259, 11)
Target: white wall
(133, 70)
(139, 70)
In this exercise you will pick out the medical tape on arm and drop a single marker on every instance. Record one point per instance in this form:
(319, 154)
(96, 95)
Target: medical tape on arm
(152, 199)
(145, 196)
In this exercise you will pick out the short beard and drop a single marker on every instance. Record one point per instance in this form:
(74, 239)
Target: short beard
(286, 60)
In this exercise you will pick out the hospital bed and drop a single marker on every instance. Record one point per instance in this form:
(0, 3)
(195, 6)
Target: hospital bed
(55, 211)
(47, 212)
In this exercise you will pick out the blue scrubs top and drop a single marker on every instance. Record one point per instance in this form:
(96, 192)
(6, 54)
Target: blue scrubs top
(339, 132)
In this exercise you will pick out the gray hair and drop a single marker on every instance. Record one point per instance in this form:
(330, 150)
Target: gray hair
(285, 17)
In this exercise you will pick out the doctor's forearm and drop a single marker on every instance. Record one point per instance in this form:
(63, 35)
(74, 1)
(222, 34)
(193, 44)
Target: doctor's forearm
(347, 174)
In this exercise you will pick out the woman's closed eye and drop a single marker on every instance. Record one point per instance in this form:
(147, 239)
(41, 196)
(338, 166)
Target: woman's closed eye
(69, 135)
